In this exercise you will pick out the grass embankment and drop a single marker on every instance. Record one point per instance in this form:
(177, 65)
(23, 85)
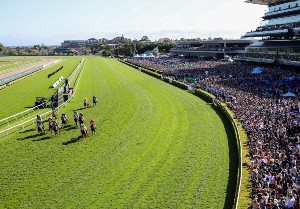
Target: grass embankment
(156, 146)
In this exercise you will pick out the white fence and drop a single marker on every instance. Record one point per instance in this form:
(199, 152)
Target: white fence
(22, 74)
(44, 116)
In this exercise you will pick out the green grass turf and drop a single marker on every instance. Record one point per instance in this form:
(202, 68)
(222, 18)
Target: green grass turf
(156, 146)
(21, 96)
(7, 63)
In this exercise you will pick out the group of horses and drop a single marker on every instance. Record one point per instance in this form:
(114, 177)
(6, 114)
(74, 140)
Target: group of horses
(86, 103)
(54, 126)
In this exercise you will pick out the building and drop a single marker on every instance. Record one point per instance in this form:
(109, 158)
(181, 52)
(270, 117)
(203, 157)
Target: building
(279, 32)
(92, 42)
(75, 44)
(215, 48)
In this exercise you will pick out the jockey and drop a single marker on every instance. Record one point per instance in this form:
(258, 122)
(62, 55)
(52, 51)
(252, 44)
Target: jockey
(92, 122)
(85, 102)
(64, 116)
(76, 115)
(94, 98)
(55, 124)
(54, 113)
(82, 126)
(39, 120)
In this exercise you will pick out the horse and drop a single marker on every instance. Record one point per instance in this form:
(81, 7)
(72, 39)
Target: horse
(56, 130)
(81, 119)
(64, 121)
(95, 101)
(84, 131)
(55, 115)
(51, 125)
(76, 119)
(86, 103)
(40, 128)
(93, 128)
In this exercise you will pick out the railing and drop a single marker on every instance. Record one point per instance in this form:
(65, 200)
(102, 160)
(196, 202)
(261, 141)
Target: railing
(221, 106)
(23, 74)
(31, 121)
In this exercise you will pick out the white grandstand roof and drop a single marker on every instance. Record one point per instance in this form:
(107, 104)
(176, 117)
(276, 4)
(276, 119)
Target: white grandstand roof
(268, 2)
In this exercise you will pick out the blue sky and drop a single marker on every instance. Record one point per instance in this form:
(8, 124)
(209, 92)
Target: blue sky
(28, 22)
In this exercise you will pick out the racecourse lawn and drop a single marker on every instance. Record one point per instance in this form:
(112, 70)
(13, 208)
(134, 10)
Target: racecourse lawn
(9, 63)
(21, 95)
(156, 146)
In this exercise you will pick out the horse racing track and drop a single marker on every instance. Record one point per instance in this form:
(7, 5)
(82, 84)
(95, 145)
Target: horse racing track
(155, 146)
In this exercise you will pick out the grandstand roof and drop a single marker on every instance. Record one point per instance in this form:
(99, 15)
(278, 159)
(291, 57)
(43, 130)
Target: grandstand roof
(268, 2)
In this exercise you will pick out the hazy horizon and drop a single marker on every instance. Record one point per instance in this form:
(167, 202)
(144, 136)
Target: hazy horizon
(33, 22)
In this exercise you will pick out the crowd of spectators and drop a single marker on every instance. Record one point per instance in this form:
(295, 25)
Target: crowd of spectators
(294, 58)
(258, 56)
(271, 120)
(211, 48)
(288, 26)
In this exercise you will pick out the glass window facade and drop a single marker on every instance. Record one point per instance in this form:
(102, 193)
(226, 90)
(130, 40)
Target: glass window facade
(282, 20)
(285, 6)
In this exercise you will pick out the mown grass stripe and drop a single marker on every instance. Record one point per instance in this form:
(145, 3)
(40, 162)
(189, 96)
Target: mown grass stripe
(156, 147)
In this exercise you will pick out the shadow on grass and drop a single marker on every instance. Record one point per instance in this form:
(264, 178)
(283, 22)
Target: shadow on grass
(42, 139)
(233, 160)
(73, 140)
(30, 137)
(70, 128)
(82, 108)
(26, 131)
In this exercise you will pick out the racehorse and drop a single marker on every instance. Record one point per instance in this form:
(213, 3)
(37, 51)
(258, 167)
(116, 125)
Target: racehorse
(93, 128)
(76, 119)
(54, 114)
(40, 128)
(81, 119)
(95, 101)
(83, 130)
(56, 129)
(86, 103)
(51, 125)
(64, 121)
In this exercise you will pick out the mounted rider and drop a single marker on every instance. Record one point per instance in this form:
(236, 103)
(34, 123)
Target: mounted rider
(76, 117)
(64, 116)
(39, 121)
(83, 127)
(95, 100)
(85, 102)
(81, 118)
(92, 123)
(54, 113)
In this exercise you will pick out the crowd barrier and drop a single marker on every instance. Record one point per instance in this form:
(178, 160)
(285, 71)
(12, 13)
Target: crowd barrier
(221, 107)
(31, 121)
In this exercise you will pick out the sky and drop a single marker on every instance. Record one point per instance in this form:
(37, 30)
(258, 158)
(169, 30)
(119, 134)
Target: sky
(29, 22)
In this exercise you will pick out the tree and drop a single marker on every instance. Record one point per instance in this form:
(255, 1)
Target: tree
(1, 47)
(165, 45)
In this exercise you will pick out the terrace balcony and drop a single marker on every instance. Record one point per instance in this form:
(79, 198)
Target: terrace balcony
(266, 33)
(284, 12)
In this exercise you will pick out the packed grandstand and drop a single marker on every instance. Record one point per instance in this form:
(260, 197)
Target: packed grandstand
(262, 88)
(269, 115)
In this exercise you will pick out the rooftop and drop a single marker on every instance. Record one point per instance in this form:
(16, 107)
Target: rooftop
(268, 2)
